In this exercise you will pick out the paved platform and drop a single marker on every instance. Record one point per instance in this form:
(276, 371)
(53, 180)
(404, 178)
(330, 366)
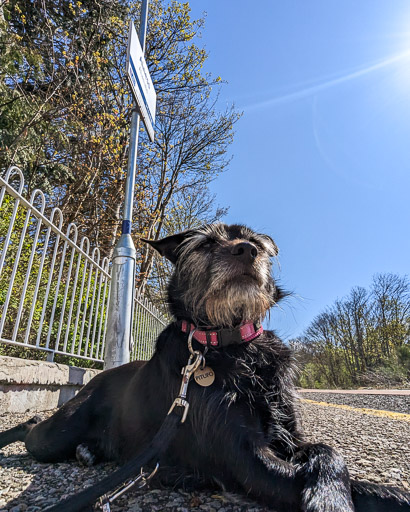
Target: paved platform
(404, 392)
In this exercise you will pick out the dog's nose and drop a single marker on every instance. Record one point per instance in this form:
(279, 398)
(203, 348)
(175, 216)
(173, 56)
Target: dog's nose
(245, 250)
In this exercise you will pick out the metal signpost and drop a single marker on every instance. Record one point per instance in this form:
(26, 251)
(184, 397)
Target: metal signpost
(120, 309)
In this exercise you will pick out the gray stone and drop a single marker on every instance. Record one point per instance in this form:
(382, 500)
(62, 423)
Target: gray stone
(27, 385)
(17, 508)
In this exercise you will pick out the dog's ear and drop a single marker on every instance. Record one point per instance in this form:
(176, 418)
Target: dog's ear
(276, 293)
(168, 246)
(270, 245)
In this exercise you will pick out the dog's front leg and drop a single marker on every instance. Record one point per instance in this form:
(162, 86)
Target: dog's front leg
(369, 497)
(317, 481)
(269, 479)
(327, 485)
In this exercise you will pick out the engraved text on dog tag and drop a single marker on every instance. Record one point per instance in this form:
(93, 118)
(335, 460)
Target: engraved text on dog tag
(204, 376)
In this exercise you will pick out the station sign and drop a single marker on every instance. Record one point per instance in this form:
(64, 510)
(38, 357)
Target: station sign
(140, 81)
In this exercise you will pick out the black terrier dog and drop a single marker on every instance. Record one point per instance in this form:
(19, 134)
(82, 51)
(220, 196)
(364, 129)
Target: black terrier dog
(241, 428)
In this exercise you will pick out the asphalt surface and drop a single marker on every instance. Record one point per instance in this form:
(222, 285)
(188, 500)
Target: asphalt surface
(372, 436)
(396, 402)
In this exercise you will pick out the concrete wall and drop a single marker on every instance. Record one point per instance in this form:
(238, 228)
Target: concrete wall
(36, 386)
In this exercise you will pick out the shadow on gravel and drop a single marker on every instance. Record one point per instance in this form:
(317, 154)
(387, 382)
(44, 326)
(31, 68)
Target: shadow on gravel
(42, 484)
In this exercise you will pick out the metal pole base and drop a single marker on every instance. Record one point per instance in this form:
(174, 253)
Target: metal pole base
(119, 322)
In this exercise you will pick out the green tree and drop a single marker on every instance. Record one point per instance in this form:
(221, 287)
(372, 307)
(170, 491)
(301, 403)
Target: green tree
(361, 339)
(65, 110)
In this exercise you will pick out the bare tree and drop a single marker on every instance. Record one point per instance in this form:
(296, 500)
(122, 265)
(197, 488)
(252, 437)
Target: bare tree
(190, 151)
(362, 337)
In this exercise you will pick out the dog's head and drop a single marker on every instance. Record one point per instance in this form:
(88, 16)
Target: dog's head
(222, 274)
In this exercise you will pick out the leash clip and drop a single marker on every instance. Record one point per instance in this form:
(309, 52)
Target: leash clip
(190, 336)
(142, 479)
(194, 362)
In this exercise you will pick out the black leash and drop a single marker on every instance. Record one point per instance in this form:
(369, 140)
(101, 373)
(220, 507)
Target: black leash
(84, 500)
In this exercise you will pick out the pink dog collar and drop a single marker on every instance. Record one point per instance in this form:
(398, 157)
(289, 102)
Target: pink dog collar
(224, 337)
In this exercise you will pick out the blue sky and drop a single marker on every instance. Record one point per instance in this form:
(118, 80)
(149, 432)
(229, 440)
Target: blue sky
(321, 156)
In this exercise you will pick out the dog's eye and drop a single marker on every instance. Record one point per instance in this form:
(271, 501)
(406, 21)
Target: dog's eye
(208, 244)
(256, 242)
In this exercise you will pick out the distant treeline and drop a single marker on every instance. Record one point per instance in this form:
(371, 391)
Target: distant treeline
(361, 340)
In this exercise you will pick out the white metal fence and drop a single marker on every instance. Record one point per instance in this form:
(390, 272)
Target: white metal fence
(54, 288)
(147, 324)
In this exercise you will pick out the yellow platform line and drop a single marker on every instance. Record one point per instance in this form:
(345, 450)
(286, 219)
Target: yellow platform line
(370, 412)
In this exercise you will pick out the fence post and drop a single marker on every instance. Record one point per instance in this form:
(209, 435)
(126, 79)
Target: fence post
(121, 306)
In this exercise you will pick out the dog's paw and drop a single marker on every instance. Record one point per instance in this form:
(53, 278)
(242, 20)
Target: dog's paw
(84, 456)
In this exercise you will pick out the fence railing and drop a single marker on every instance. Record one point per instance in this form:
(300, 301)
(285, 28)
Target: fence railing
(147, 324)
(54, 288)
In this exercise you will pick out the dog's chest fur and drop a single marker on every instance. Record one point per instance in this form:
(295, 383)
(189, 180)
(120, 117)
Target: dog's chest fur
(253, 387)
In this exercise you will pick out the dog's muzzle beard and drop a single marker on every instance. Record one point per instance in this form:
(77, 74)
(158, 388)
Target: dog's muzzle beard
(234, 302)
(223, 287)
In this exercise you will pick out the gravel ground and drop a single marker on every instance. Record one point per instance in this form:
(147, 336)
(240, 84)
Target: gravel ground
(396, 403)
(377, 449)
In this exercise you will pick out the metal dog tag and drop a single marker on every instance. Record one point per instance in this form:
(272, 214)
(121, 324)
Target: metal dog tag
(204, 376)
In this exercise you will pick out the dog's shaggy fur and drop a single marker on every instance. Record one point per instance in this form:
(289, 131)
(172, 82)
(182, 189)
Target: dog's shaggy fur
(242, 430)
